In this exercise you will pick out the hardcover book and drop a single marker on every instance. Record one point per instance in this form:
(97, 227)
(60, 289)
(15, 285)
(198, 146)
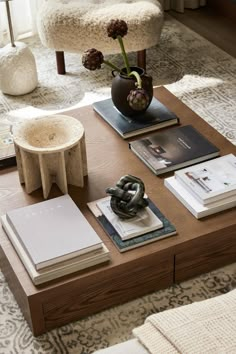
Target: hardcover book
(57, 270)
(167, 230)
(211, 180)
(157, 116)
(173, 149)
(145, 220)
(53, 231)
(193, 205)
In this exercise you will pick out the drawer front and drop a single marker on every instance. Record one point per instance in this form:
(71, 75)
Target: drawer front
(108, 289)
(208, 253)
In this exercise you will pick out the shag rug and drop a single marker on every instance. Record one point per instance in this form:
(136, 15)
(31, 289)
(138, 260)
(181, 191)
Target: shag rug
(204, 78)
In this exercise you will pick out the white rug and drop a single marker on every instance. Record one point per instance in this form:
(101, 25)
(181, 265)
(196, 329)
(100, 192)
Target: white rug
(197, 72)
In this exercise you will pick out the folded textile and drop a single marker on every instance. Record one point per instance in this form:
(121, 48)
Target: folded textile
(207, 326)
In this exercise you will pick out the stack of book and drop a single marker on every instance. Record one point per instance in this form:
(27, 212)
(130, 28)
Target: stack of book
(53, 239)
(147, 226)
(206, 188)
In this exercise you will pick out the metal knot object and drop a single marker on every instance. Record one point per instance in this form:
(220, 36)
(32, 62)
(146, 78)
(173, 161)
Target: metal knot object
(127, 197)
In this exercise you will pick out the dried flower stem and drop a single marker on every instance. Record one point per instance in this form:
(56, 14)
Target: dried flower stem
(111, 65)
(124, 54)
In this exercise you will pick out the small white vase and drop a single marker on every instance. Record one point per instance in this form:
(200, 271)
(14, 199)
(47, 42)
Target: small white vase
(18, 73)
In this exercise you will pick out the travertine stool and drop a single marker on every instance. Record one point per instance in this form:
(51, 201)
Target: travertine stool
(50, 150)
(77, 25)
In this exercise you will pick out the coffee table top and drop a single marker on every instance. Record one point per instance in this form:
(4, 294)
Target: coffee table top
(109, 158)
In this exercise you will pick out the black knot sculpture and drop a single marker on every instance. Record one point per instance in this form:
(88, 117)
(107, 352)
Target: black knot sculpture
(127, 197)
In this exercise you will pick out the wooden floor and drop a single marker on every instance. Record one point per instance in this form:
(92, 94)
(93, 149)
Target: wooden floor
(216, 28)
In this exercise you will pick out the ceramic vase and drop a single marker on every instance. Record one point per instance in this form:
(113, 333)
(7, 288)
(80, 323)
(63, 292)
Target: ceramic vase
(18, 74)
(121, 87)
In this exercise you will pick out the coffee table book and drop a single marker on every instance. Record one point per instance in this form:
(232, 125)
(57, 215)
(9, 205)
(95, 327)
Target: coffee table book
(53, 231)
(60, 269)
(192, 204)
(167, 230)
(173, 149)
(212, 180)
(145, 220)
(156, 117)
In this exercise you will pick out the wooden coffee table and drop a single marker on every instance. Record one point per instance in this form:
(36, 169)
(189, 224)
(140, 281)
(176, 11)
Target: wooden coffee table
(200, 246)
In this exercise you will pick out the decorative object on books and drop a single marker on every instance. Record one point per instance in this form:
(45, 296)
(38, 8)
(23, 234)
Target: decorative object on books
(132, 89)
(167, 230)
(18, 74)
(50, 150)
(193, 204)
(144, 221)
(173, 149)
(210, 181)
(52, 231)
(127, 197)
(157, 116)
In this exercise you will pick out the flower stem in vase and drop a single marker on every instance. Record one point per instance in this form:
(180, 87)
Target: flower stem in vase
(114, 67)
(138, 78)
(124, 54)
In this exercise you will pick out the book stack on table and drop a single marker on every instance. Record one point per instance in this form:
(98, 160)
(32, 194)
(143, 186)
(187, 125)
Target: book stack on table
(53, 239)
(206, 188)
(147, 226)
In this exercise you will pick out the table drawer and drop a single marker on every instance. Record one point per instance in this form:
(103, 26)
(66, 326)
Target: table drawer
(205, 254)
(109, 289)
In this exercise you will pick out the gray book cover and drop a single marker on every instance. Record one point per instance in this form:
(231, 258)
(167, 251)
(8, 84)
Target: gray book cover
(173, 149)
(53, 231)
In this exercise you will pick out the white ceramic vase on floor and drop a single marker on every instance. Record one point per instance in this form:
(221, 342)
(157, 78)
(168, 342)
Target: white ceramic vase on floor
(18, 73)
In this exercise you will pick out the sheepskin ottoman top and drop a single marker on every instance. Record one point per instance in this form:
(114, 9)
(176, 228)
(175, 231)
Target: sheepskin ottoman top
(77, 25)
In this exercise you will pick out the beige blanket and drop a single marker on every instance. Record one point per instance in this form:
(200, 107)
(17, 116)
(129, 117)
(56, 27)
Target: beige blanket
(205, 327)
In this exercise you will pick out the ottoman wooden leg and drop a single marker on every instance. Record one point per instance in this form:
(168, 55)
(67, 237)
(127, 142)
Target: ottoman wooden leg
(141, 59)
(60, 63)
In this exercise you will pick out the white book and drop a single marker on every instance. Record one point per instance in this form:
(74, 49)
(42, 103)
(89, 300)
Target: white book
(145, 221)
(211, 180)
(55, 271)
(53, 231)
(192, 204)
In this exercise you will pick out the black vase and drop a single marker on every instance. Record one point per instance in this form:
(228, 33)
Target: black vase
(121, 87)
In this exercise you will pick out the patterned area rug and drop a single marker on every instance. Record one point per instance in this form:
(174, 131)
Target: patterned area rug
(202, 76)
(108, 327)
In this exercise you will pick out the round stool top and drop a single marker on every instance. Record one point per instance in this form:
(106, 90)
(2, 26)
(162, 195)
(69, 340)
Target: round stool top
(77, 25)
(48, 134)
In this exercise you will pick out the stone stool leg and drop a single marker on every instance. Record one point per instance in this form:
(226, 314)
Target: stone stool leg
(29, 162)
(53, 170)
(74, 157)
